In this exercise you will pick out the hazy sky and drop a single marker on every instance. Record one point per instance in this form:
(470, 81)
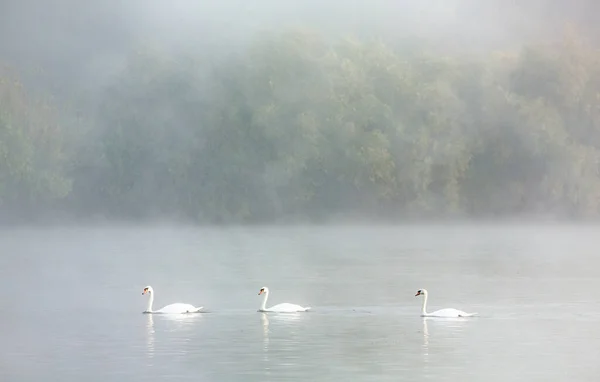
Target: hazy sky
(78, 42)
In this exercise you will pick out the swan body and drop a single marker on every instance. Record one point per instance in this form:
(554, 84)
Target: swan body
(279, 308)
(177, 308)
(449, 312)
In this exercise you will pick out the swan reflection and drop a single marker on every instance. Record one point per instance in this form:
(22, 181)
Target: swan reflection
(281, 321)
(265, 324)
(150, 335)
(448, 322)
(181, 318)
(285, 317)
(449, 327)
(167, 322)
(425, 337)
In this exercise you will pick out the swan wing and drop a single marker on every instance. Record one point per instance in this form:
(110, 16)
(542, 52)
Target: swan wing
(287, 308)
(450, 312)
(179, 308)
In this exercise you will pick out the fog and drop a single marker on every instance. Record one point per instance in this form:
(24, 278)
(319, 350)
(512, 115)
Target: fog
(240, 112)
(406, 142)
(531, 285)
(79, 44)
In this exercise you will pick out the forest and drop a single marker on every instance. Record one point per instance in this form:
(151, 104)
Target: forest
(297, 126)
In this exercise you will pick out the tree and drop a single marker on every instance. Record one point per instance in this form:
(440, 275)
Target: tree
(32, 153)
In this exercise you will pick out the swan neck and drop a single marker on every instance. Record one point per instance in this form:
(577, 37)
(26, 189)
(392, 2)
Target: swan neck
(263, 305)
(424, 306)
(150, 302)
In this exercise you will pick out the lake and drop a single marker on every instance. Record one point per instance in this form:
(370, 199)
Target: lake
(71, 304)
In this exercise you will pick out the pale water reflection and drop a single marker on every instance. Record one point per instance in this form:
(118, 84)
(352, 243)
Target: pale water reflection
(150, 335)
(265, 323)
(425, 338)
(533, 286)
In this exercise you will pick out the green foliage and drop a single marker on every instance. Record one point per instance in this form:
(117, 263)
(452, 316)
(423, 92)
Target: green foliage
(297, 126)
(32, 156)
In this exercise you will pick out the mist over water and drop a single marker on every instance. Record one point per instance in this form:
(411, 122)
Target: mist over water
(240, 118)
(73, 306)
(234, 113)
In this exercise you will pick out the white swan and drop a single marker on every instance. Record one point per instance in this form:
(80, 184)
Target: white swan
(281, 308)
(176, 308)
(450, 312)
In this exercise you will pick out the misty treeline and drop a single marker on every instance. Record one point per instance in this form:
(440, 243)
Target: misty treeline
(297, 126)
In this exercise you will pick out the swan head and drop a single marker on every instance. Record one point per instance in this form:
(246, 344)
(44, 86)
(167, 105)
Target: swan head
(147, 290)
(421, 292)
(263, 290)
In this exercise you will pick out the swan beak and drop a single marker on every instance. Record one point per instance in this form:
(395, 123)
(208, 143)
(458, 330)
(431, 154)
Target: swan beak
(417, 294)
(259, 293)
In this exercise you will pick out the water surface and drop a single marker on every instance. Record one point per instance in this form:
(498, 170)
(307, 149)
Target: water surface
(71, 303)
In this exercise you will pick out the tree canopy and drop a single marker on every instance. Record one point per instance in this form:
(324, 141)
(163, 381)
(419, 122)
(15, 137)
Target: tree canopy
(297, 126)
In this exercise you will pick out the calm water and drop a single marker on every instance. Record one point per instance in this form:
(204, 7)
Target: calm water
(71, 304)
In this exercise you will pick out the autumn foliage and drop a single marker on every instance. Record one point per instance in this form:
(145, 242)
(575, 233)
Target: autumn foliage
(300, 127)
